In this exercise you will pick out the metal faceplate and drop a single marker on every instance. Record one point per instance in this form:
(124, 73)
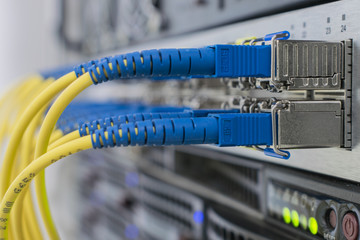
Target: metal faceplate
(309, 65)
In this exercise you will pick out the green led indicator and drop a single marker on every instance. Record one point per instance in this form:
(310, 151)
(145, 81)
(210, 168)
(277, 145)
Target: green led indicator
(295, 218)
(313, 225)
(286, 215)
(303, 222)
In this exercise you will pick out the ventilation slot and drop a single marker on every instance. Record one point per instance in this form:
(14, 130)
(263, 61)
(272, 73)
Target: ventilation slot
(221, 229)
(240, 182)
(171, 204)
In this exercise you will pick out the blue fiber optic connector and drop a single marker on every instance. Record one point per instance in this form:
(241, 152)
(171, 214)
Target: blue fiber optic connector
(102, 123)
(228, 129)
(210, 61)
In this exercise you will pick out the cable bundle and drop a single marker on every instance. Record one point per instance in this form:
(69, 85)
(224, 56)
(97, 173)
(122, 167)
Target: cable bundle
(23, 160)
(76, 115)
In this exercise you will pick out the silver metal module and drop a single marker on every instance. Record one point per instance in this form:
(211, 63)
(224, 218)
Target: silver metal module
(324, 70)
(309, 65)
(308, 124)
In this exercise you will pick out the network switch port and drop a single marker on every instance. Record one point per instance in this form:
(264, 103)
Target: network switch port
(303, 124)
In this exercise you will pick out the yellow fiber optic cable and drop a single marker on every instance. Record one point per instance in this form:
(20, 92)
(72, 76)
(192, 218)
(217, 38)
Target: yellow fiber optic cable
(24, 178)
(32, 91)
(30, 216)
(24, 158)
(15, 233)
(57, 134)
(6, 112)
(47, 127)
(25, 119)
(19, 100)
(57, 139)
(24, 210)
(16, 99)
(19, 185)
(66, 138)
(21, 125)
(85, 82)
(15, 222)
(7, 108)
(26, 227)
(30, 219)
(26, 94)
